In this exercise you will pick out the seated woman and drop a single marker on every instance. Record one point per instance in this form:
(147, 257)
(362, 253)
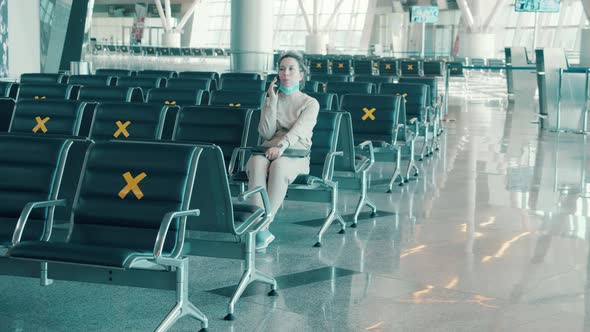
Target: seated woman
(287, 121)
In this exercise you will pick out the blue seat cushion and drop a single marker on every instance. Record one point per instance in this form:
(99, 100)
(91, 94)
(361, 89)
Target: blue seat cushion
(75, 253)
(33, 230)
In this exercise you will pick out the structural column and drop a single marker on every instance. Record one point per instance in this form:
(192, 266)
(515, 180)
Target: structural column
(251, 35)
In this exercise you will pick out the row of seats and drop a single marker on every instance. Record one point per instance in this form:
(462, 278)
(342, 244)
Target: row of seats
(159, 51)
(131, 216)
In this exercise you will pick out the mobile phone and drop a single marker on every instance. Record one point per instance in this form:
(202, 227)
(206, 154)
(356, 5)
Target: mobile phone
(277, 83)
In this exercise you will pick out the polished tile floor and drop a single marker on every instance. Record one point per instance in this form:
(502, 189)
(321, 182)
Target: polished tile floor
(491, 237)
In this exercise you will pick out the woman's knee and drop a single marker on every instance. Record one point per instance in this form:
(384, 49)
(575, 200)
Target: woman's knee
(282, 168)
(257, 164)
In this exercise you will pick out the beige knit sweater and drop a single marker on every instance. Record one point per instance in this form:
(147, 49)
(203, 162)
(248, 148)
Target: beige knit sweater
(288, 120)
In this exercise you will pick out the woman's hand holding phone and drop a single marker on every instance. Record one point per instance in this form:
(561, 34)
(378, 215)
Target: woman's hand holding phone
(272, 86)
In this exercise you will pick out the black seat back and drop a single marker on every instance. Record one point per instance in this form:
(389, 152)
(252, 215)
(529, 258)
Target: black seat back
(246, 99)
(341, 67)
(125, 190)
(432, 87)
(327, 101)
(374, 117)
(212, 196)
(191, 83)
(232, 84)
(241, 76)
(6, 112)
(341, 88)
(50, 117)
(31, 170)
(90, 80)
(411, 68)
(126, 121)
(45, 91)
(111, 94)
(145, 83)
(415, 96)
(114, 72)
(43, 78)
(228, 128)
(319, 66)
(310, 86)
(157, 73)
(167, 96)
(434, 68)
(330, 78)
(374, 79)
(364, 67)
(388, 67)
(324, 141)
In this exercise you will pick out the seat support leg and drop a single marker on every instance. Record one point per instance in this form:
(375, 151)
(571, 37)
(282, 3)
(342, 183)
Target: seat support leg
(250, 275)
(396, 171)
(45, 281)
(334, 215)
(184, 306)
(363, 200)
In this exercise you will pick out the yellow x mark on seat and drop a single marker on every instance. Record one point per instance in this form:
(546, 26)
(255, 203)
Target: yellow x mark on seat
(410, 67)
(40, 97)
(368, 113)
(376, 64)
(235, 105)
(318, 65)
(122, 129)
(170, 102)
(388, 66)
(41, 124)
(132, 185)
(340, 65)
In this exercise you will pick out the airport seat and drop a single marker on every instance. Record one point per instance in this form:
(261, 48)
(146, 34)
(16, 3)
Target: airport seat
(129, 222)
(6, 110)
(341, 88)
(145, 83)
(90, 80)
(233, 84)
(50, 117)
(330, 78)
(9, 90)
(114, 72)
(240, 76)
(319, 66)
(43, 78)
(206, 84)
(31, 170)
(434, 68)
(364, 67)
(411, 68)
(375, 118)
(157, 73)
(341, 66)
(111, 94)
(354, 165)
(245, 99)
(46, 91)
(389, 67)
(226, 127)
(168, 96)
(327, 101)
(419, 113)
(126, 121)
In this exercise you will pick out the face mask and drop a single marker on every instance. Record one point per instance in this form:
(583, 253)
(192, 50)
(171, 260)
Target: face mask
(289, 90)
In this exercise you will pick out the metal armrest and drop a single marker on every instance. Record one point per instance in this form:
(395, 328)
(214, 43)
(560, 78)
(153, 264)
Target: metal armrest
(364, 165)
(234, 157)
(266, 204)
(165, 226)
(24, 217)
(328, 171)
